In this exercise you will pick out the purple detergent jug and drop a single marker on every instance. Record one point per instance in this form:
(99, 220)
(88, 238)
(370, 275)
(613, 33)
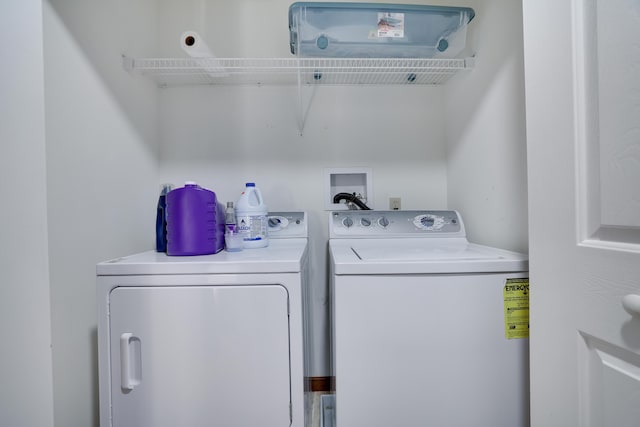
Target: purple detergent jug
(195, 221)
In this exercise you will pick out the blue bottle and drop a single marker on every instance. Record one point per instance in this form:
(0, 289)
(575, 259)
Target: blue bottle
(161, 219)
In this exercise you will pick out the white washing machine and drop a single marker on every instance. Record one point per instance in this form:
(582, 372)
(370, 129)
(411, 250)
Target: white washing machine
(428, 329)
(205, 340)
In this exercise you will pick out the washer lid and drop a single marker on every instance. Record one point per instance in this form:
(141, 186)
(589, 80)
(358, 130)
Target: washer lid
(281, 256)
(421, 256)
(412, 250)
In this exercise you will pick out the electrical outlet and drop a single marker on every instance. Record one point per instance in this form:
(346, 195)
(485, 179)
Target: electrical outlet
(394, 203)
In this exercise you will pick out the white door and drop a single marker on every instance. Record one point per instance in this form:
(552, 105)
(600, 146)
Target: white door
(582, 70)
(200, 356)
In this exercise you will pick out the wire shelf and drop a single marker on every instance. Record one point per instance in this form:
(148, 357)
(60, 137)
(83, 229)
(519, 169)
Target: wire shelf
(291, 71)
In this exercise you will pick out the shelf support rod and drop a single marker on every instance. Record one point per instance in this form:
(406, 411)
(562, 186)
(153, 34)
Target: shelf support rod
(301, 112)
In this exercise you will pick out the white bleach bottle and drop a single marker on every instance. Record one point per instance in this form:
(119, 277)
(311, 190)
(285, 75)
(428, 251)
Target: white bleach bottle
(252, 217)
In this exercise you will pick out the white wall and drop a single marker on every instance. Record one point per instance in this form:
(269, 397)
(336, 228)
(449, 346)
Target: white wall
(101, 130)
(26, 394)
(485, 131)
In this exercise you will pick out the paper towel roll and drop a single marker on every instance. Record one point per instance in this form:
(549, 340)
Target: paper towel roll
(195, 47)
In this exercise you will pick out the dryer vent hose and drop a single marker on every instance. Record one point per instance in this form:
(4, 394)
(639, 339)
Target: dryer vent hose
(351, 198)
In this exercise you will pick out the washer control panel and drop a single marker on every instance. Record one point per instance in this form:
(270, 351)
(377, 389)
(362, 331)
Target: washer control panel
(362, 223)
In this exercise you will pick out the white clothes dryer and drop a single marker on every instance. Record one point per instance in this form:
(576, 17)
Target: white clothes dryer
(205, 340)
(428, 329)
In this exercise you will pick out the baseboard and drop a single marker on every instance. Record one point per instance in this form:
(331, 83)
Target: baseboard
(322, 384)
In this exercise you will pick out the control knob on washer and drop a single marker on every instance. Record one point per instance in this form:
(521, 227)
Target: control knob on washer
(365, 222)
(347, 222)
(427, 221)
(383, 222)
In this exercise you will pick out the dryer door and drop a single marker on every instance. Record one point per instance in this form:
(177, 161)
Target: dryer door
(200, 356)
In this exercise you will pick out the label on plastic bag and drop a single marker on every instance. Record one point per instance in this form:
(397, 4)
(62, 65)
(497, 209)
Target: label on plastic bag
(390, 24)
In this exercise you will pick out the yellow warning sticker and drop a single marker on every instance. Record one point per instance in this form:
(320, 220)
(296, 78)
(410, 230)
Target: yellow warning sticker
(516, 308)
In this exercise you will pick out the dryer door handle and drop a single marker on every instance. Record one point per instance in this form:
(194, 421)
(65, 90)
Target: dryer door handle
(631, 304)
(130, 361)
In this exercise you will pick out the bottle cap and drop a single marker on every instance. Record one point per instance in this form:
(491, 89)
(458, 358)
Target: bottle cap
(251, 184)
